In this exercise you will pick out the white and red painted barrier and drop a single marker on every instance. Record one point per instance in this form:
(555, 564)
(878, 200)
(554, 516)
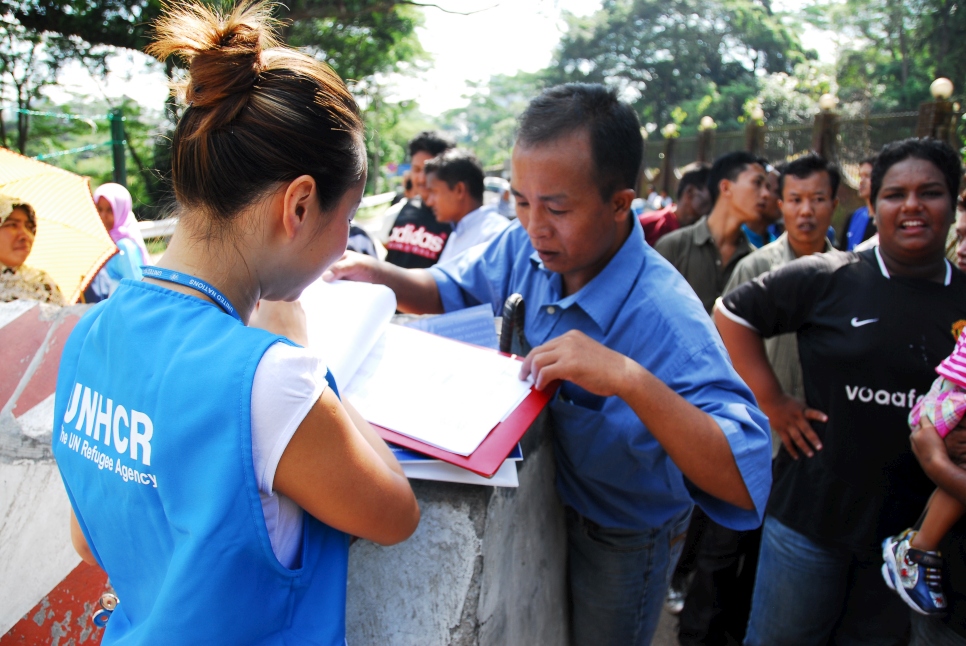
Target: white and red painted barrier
(46, 594)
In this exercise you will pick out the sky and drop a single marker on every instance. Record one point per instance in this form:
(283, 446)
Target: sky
(500, 37)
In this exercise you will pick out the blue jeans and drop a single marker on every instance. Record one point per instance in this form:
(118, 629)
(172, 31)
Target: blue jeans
(807, 593)
(618, 579)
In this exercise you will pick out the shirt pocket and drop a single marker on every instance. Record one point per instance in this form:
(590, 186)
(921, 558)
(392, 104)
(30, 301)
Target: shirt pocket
(583, 438)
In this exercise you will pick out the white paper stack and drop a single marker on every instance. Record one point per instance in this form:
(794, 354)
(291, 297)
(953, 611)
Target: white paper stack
(436, 390)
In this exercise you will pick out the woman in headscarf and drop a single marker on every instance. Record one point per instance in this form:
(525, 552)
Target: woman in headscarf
(114, 206)
(18, 227)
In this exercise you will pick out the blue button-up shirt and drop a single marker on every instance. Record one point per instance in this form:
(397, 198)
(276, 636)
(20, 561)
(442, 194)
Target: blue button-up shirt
(610, 469)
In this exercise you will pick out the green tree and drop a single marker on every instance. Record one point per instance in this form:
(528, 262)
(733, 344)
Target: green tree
(487, 124)
(30, 61)
(895, 48)
(52, 135)
(358, 38)
(662, 54)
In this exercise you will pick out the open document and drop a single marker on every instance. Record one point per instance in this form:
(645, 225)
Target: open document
(442, 392)
(445, 395)
(345, 320)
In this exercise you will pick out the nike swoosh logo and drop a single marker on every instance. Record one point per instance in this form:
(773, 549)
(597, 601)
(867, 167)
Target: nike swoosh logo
(857, 323)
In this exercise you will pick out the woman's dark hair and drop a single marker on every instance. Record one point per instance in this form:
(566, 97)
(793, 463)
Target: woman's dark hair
(615, 133)
(257, 114)
(939, 153)
(458, 165)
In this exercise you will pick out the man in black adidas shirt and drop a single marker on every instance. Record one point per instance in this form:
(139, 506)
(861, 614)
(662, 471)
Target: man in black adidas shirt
(417, 238)
(871, 329)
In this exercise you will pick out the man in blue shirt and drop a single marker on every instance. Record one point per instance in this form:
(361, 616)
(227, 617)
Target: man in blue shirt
(648, 391)
(860, 226)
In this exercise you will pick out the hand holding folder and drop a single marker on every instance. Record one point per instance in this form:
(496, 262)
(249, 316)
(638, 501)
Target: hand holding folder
(470, 401)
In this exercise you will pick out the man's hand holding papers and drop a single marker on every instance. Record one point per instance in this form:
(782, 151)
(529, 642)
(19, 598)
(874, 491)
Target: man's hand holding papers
(577, 358)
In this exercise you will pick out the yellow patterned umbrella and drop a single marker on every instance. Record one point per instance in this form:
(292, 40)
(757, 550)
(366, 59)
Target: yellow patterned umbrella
(72, 243)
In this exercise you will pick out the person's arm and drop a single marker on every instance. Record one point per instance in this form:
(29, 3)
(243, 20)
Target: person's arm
(786, 415)
(691, 437)
(79, 542)
(337, 469)
(933, 456)
(415, 289)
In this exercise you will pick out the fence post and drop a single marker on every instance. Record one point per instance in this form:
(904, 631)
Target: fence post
(755, 131)
(938, 118)
(117, 146)
(824, 134)
(670, 133)
(705, 151)
(667, 165)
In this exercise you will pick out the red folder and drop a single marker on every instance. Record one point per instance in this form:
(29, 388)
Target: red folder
(491, 453)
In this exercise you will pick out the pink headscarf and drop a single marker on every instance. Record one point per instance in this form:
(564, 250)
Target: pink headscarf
(125, 224)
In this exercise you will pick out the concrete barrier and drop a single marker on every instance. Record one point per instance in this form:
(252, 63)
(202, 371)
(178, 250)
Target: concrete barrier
(485, 567)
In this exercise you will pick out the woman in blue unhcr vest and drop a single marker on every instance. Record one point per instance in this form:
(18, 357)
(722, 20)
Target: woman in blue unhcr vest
(213, 472)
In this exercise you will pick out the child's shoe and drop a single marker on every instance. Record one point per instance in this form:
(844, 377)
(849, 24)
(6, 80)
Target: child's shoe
(915, 574)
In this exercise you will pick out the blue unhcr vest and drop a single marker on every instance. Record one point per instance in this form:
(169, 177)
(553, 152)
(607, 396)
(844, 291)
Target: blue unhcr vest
(152, 435)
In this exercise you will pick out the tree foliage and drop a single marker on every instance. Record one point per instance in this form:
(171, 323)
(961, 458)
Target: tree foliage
(358, 38)
(487, 125)
(893, 49)
(663, 54)
(29, 62)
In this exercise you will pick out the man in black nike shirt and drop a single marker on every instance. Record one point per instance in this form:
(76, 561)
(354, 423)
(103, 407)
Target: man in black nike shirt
(871, 328)
(417, 238)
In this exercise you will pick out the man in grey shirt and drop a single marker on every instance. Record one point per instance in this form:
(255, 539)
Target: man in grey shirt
(808, 188)
(706, 252)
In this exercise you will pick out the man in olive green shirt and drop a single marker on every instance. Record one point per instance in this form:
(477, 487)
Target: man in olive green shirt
(706, 252)
(808, 188)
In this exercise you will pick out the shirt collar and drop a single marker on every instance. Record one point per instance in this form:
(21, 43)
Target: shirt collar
(7, 270)
(885, 270)
(469, 220)
(790, 254)
(602, 298)
(701, 233)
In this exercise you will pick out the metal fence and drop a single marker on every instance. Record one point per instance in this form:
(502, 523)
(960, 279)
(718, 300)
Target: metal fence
(857, 138)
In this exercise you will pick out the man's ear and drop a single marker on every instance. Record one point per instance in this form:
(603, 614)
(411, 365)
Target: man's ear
(621, 203)
(298, 203)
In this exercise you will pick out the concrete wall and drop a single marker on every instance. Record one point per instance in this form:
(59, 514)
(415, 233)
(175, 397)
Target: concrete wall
(485, 567)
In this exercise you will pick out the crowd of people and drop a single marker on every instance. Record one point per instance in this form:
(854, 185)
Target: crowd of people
(759, 424)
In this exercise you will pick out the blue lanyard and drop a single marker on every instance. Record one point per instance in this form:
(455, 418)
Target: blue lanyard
(160, 273)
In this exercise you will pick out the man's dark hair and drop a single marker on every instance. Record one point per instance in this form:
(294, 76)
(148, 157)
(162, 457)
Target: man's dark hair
(458, 165)
(431, 142)
(697, 176)
(806, 166)
(939, 153)
(729, 166)
(615, 133)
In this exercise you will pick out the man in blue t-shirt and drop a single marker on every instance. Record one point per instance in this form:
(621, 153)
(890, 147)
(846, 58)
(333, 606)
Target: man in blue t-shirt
(650, 413)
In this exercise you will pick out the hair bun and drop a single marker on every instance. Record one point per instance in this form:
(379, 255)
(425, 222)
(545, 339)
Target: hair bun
(223, 51)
